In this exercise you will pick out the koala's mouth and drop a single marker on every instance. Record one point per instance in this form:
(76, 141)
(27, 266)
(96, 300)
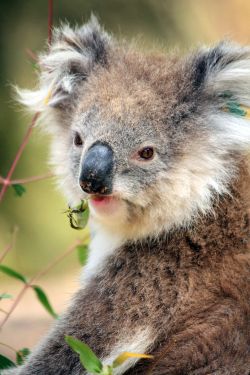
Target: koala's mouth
(104, 203)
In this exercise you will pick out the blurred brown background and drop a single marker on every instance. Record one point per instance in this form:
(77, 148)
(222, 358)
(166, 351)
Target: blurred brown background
(43, 228)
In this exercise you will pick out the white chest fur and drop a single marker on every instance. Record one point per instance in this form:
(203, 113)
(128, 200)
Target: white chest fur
(102, 245)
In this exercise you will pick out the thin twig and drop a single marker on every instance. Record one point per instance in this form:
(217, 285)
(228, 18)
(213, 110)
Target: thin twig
(32, 55)
(59, 259)
(10, 245)
(50, 21)
(26, 180)
(18, 155)
(70, 249)
(3, 311)
(15, 303)
(8, 346)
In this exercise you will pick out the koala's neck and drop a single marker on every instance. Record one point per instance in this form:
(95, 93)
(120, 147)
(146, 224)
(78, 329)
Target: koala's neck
(223, 231)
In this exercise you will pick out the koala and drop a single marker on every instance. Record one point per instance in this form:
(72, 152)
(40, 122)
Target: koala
(159, 144)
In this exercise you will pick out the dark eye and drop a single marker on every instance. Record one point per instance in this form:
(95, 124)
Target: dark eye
(77, 140)
(146, 153)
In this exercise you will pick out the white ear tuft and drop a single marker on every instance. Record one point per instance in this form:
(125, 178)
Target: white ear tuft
(71, 58)
(223, 76)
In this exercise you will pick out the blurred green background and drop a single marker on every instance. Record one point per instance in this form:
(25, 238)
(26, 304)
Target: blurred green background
(44, 231)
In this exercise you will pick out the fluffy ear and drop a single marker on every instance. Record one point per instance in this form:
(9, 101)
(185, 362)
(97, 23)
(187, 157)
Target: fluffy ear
(221, 77)
(70, 59)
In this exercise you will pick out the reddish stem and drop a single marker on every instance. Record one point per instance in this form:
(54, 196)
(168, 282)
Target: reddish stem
(32, 55)
(18, 155)
(26, 180)
(10, 245)
(70, 249)
(50, 21)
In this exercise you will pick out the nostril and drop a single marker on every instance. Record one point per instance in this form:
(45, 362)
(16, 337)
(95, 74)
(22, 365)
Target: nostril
(86, 186)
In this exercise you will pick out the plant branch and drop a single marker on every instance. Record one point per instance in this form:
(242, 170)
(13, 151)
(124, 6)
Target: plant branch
(70, 249)
(8, 346)
(10, 245)
(18, 155)
(3, 311)
(50, 20)
(32, 55)
(26, 180)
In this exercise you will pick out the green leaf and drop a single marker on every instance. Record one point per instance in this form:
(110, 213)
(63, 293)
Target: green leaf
(21, 355)
(82, 252)
(44, 300)
(19, 189)
(5, 362)
(10, 272)
(35, 66)
(87, 357)
(107, 370)
(5, 296)
(236, 109)
(79, 215)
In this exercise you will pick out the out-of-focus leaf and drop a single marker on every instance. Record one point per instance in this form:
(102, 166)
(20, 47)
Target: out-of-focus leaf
(10, 272)
(5, 296)
(44, 300)
(35, 66)
(5, 362)
(82, 252)
(19, 189)
(126, 355)
(87, 357)
(21, 355)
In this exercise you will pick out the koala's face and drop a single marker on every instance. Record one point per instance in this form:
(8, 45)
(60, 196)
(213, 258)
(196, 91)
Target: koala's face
(124, 142)
(145, 138)
(119, 145)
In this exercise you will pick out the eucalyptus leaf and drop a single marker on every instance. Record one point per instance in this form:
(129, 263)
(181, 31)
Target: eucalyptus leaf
(21, 355)
(82, 252)
(44, 300)
(5, 363)
(79, 215)
(127, 355)
(5, 296)
(87, 357)
(10, 272)
(19, 189)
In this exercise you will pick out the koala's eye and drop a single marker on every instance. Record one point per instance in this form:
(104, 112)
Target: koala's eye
(146, 153)
(77, 140)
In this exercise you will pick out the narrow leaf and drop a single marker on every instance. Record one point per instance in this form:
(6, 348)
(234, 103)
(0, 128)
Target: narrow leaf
(5, 296)
(87, 357)
(19, 189)
(5, 362)
(10, 272)
(21, 355)
(126, 355)
(44, 300)
(82, 252)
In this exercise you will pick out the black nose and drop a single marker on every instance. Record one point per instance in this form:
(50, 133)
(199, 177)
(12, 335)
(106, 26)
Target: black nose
(97, 170)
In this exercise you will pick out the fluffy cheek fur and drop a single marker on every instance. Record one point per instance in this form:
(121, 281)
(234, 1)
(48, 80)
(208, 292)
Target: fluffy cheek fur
(66, 170)
(175, 198)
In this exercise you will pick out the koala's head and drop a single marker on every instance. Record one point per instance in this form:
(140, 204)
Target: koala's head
(150, 139)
